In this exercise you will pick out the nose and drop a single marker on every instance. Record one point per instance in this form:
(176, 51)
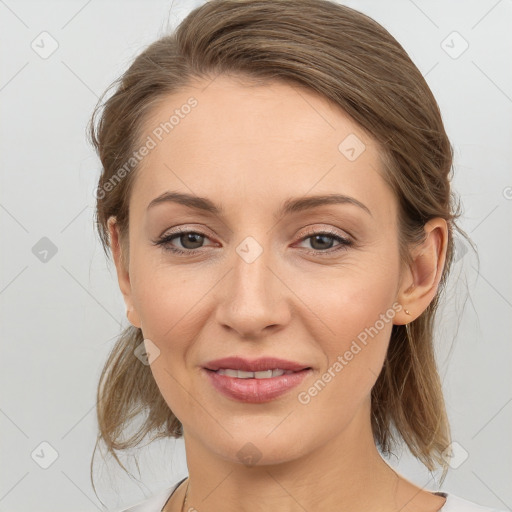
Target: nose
(254, 299)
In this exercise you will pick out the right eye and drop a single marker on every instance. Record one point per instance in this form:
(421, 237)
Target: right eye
(185, 238)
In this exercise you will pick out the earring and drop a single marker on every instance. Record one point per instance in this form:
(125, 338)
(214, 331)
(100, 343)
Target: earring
(407, 312)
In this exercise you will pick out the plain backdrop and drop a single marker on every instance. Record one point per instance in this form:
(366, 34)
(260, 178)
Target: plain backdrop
(61, 308)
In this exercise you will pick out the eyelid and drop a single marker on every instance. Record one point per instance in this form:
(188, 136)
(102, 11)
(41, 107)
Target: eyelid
(313, 229)
(330, 230)
(185, 228)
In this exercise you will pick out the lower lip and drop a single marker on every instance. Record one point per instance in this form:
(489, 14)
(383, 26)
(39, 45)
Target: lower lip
(256, 390)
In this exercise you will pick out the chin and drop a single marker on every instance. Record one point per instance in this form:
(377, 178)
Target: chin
(254, 446)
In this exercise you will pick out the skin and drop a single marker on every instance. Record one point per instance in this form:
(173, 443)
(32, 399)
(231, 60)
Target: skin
(248, 149)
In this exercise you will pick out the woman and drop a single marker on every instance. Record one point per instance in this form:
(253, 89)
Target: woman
(231, 151)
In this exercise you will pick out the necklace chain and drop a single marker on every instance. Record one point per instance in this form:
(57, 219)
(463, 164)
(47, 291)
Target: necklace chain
(185, 499)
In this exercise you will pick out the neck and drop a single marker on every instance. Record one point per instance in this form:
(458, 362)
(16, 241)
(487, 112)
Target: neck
(345, 473)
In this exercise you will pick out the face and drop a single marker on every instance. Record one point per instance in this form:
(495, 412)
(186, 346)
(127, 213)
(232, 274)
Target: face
(314, 283)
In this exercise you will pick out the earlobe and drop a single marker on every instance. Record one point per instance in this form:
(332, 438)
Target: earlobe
(122, 270)
(133, 317)
(423, 275)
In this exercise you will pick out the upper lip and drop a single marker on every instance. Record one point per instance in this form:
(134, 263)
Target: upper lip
(254, 365)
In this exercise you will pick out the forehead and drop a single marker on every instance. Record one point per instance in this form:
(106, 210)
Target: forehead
(239, 142)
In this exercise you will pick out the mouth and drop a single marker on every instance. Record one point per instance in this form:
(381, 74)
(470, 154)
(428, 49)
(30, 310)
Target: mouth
(255, 387)
(255, 368)
(263, 374)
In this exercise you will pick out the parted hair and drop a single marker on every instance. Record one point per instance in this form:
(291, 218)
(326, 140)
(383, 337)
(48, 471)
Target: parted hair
(351, 60)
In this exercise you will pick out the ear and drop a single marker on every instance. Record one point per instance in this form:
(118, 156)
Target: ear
(123, 275)
(421, 278)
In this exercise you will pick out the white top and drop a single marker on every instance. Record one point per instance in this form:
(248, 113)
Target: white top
(453, 503)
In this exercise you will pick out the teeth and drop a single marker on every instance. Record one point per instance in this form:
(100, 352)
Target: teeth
(265, 374)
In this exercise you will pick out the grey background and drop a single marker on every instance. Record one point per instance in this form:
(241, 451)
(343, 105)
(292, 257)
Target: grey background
(61, 310)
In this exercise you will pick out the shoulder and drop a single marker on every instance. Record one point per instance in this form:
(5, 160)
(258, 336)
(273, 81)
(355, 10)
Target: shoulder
(453, 503)
(457, 504)
(155, 502)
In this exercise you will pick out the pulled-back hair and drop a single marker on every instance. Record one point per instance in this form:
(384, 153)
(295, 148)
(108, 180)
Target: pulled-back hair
(350, 59)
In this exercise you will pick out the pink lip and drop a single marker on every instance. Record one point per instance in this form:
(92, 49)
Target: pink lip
(254, 365)
(256, 390)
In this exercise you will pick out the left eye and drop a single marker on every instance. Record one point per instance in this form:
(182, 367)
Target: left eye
(321, 240)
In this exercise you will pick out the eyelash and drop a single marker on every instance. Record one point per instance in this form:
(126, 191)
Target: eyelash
(344, 243)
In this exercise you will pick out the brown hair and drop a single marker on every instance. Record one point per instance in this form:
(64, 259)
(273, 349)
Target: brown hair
(350, 59)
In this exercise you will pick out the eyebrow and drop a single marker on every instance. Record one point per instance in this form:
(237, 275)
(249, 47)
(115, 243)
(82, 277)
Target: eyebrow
(291, 205)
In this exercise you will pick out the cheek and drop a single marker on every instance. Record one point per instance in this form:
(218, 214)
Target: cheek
(352, 324)
(351, 298)
(166, 298)
(354, 356)
(171, 316)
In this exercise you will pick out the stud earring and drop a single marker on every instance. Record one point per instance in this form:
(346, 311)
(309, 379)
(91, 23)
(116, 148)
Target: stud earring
(407, 312)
